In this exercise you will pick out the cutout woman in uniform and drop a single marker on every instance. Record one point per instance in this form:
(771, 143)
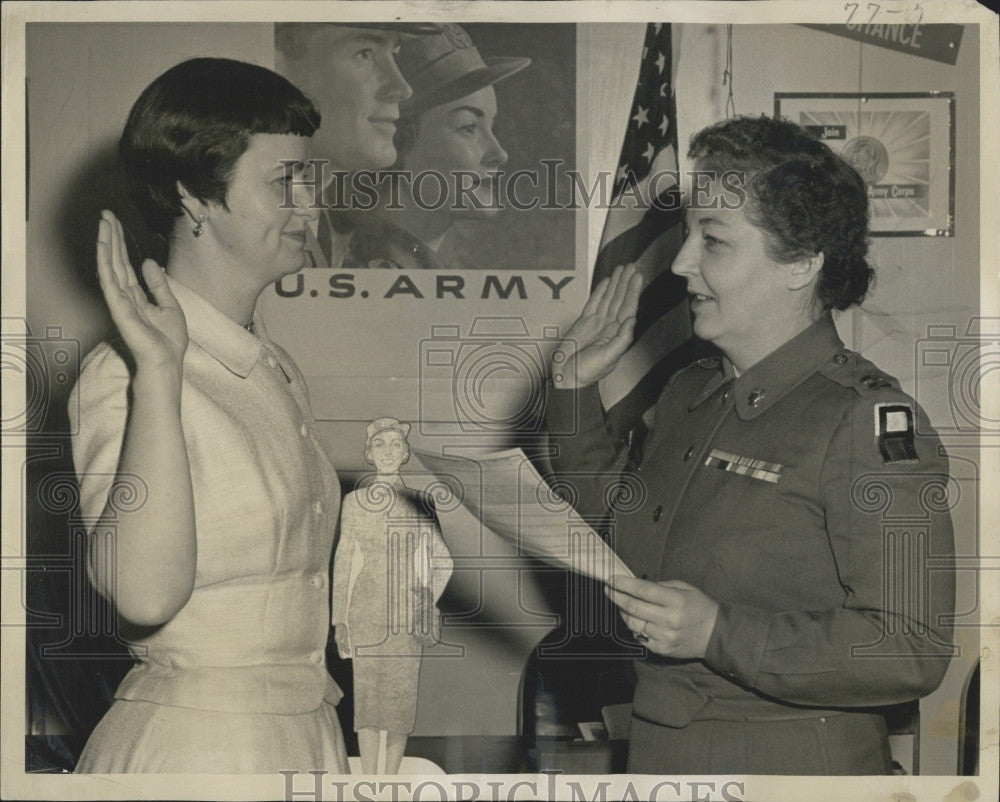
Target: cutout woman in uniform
(390, 569)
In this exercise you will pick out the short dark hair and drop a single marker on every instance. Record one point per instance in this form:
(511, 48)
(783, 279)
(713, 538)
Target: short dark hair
(193, 123)
(804, 197)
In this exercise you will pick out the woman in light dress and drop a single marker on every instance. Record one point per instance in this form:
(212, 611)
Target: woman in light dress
(214, 505)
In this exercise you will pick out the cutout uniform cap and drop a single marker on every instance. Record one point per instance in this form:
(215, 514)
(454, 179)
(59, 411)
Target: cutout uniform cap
(386, 424)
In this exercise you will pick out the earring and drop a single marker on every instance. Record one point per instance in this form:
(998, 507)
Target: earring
(198, 228)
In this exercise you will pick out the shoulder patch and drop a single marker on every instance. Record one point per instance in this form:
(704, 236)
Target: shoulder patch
(894, 432)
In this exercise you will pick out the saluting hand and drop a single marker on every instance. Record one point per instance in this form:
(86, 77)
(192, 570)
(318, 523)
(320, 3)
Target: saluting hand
(671, 618)
(156, 333)
(603, 332)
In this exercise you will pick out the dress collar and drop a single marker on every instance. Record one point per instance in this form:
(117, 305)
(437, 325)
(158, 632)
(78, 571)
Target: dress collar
(779, 372)
(369, 479)
(235, 347)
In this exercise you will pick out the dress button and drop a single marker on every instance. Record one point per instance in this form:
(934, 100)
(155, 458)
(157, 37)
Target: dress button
(755, 397)
(688, 453)
(304, 430)
(657, 513)
(318, 507)
(840, 359)
(318, 581)
(316, 657)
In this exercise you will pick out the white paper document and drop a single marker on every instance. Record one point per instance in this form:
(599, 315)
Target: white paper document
(505, 492)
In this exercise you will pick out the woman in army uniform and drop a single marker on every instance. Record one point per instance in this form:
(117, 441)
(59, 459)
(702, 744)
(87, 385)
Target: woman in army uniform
(777, 601)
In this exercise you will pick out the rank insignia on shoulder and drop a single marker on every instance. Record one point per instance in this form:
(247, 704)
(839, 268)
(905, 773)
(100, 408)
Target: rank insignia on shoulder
(709, 362)
(875, 382)
(894, 434)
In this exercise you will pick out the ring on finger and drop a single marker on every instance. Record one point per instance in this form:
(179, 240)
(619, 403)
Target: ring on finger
(641, 635)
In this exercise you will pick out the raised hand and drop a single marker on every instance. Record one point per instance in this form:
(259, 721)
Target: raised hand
(603, 332)
(156, 333)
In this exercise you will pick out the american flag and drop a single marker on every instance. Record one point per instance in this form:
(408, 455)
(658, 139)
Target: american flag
(650, 235)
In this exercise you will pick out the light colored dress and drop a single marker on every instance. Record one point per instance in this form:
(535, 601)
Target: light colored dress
(236, 682)
(391, 568)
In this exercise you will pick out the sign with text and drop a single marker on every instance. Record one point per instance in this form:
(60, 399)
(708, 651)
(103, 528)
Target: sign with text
(938, 42)
(902, 144)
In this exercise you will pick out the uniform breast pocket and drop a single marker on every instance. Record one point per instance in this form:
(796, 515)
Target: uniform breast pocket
(761, 470)
(728, 488)
(773, 561)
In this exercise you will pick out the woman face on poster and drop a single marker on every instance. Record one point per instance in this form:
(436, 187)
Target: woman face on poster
(445, 138)
(456, 140)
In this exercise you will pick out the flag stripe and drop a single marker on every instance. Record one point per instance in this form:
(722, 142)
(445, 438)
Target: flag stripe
(663, 294)
(631, 244)
(649, 235)
(670, 328)
(631, 205)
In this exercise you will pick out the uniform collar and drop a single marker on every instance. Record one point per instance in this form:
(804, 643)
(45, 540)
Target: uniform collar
(378, 238)
(235, 347)
(721, 372)
(778, 373)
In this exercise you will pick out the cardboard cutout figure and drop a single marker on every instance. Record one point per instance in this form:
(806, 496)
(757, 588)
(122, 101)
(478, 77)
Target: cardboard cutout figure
(390, 569)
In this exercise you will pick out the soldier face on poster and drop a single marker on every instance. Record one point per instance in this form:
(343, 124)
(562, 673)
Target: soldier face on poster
(435, 134)
(476, 171)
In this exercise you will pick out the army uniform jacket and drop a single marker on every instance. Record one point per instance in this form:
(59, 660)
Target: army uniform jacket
(363, 240)
(809, 498)
(379, 244)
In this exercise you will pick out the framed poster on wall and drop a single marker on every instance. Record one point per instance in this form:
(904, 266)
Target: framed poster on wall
(902, 144)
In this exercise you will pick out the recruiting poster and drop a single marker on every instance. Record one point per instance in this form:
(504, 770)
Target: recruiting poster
(902, 146)
(394, 580)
